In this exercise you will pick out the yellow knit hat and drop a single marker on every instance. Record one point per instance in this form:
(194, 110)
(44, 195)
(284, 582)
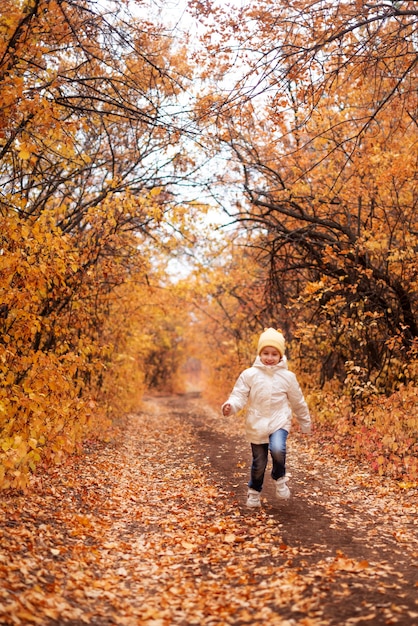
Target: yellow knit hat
(273, 338)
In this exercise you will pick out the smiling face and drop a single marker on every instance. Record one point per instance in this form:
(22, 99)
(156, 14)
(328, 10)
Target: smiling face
(270, 356)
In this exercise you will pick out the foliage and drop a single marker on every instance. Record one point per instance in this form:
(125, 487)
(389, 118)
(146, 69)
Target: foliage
(67, 360)
(321, 136)
(381, 435)
(87, 107)
(90, 136)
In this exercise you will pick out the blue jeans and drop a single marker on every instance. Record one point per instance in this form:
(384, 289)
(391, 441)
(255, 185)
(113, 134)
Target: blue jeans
(277, 447)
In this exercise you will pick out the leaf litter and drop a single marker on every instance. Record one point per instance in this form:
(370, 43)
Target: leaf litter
(150, 529)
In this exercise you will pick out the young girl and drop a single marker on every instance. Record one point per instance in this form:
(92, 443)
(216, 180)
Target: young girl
(272, 393)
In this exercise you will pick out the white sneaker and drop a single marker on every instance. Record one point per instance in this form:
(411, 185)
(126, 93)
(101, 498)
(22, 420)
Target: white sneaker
(253, 498)
(282, 490)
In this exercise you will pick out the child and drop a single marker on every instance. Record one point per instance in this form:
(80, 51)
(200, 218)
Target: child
(272, 393)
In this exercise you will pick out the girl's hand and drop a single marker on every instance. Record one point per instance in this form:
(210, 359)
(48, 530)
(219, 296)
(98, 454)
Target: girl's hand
(227, 409)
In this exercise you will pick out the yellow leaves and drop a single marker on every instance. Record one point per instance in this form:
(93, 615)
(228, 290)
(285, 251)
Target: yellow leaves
(26, 616)
(24, 153)
(408, 485)
(76, 338)
(374, 243)
(6, 444)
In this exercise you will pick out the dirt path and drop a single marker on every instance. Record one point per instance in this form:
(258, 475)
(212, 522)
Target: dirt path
(335, 516)
(151, 529)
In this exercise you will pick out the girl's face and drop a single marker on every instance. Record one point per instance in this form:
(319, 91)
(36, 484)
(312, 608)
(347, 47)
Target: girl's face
(270, 356)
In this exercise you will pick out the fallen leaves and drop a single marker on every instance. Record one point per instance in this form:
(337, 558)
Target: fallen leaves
(139, 532)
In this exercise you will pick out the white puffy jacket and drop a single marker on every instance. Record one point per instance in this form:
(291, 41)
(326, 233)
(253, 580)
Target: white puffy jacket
(272, 393)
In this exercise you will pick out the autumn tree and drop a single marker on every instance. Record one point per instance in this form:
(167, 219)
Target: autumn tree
(88, 107)
(317, 126)
(91, 138)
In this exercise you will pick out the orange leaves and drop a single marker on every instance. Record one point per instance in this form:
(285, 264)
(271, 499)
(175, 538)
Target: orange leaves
(382, 434)
(115, 536)
(343, 564)
(321, 145)
(54, 344)
(81, 316)
(83, 123)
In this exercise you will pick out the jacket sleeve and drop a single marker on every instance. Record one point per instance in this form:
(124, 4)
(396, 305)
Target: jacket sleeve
(239, 394)
(298, 405)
